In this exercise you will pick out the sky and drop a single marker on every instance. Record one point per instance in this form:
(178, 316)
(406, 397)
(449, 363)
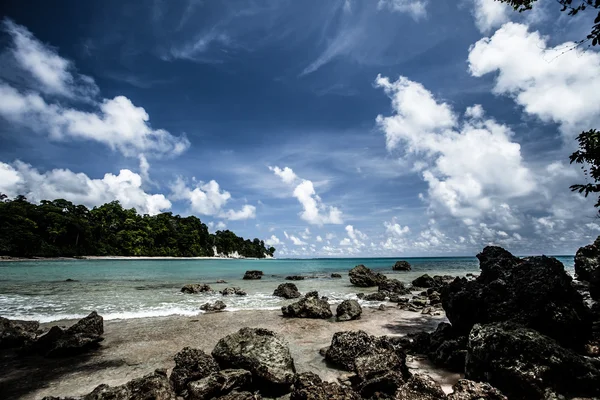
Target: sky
(338, 128)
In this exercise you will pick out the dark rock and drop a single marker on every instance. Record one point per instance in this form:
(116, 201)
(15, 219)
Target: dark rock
(287, 291)
(83, 336)
(393, 286)
(229, 291)
(153, 386)
(240, 396)
(444, 347)
(15, 333)
(263, 353)
(70, 280)
(253, 275)
(221, 281)
(377, 296)
(401, 266)
(294, 278)
(377, 362)
(334, 275)
(213, 307)
(364, 277)
(587, 267)
(191, 365)
(534, 292)
(195, 288)
(308, 386)
(436, 282)
(420, 387)
(435, 298)
(424, 281)
(219, 384)
(524, 364)
(382, 307)
(360, 295)
(308, 307)
(465, 389)
(348, 310)
(381, 386)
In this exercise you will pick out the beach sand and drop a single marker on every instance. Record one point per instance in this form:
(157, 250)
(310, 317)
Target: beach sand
(135, 347)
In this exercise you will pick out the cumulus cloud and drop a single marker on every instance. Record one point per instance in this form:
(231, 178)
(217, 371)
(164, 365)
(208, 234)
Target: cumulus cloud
(394, 228)
(490, 14)
(286, 174)
(417, 9)
(296, 241)
(22, 179)
(355, 238)
(273, 241)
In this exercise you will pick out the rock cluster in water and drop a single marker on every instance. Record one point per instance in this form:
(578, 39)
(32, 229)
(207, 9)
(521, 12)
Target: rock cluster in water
(401, 266)
(254, 274)
(310, 306)
(287, 291)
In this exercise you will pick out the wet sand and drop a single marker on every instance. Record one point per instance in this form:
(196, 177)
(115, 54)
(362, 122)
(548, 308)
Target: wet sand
(135, 347)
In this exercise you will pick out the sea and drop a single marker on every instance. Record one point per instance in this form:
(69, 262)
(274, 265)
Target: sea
(139, 288)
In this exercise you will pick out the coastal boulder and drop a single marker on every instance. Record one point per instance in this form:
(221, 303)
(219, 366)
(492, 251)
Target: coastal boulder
(263, 353)
(213, 307)
(294, 278)
(83, 336)
(336, 276)
(393, 286)
(254, 274)
(219, 384)
(364, 277)
(229, 291)
(287, 291)
(420, 387)
(377, 296)
(15, 333)
(195, 288)
(465, 389)
(310, 306)
(348, 310)
(437, 282)
(587, 267)
(524, 364)
(154, 386)
(309, 386)
(401, 266)
(535, 292)
(240, 396)
(444, 347)
(191, 365)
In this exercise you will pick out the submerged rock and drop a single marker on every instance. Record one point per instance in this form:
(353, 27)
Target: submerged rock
(195, 288)
(348, 310)
(83, 336)
(229, 291)
(311, 306)
(191, 365)
(401, 266)
(254, 274)
(213, 307)
(15, 333)
(364, 277)
(287, 291)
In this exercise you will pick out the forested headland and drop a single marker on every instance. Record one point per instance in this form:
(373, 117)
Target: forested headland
(60, 228)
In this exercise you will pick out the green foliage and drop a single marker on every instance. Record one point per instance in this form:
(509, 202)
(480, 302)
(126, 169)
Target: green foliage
(589, 156)
(61, 228)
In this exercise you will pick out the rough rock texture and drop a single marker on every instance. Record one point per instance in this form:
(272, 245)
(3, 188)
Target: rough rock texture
(535, 292)
(263, 353)
(213, 307)
(253, 275)
(195, 288)
(308, 386)
(401, 266)
(364, 277)
(190, 365)
(153, 386)
(83, 336)
(587, 267)
(311, 306)
(420, 387)
(229, 291)
(443, 347)
(294, 278)
(393, 286)
(337, 276)
(219, 384)
(287, 291)
(382, 386)
(14, 333)
(465, 389)
(436, 282)
(523, 363)
(240, 396)
(377, 296)
(348, 310)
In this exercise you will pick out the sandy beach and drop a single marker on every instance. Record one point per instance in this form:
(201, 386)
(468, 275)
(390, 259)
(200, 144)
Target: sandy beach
(135, 347)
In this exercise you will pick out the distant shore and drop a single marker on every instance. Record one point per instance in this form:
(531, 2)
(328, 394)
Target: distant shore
(9, 258)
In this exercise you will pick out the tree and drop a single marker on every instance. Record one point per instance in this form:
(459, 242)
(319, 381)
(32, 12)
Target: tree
(589, 156)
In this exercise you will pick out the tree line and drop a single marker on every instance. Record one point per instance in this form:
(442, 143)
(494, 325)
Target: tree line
(60, 228)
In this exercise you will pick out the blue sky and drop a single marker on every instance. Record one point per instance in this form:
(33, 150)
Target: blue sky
(338, 128)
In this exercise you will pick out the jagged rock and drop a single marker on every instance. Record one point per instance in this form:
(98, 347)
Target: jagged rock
(191, 365)
(294, 278)
(153, 386)
(287, 291)
(444, 347)
(240, 396)
(334, 275)
(308, 386)
(219, 384)
(348, 310)
(15, 333)
(401, 266)
(420, 387)
(360, 296)
(263, 353)
(435, 298)
(436, 282)
(393, 286)
(377, 296)
(195, 288)
(213, 307)
(83, 336)
(534, 292)
(381, 386)
(253, 275)
(229, 291)
(587, 267)
(524, 364)
(424, 281)
(382, 307)
(308, 307)
(364, 277)
(465, 389)
(221, 281)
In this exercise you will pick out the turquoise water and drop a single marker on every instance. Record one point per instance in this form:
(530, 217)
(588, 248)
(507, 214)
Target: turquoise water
(122, 289)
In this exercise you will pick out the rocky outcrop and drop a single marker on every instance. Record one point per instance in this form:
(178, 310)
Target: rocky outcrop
(240, 396)
(436, 282)
(263, 353)
(221, 383)
(401, 266)
(287, 291)
(153, 386)
(420, 387)
(85, 335)
(535, 292)
(213, 307)
(525, 364)
(392, 286)
(309, 386)
(195, 288)
(254, 274)
(444, 347)
(587, 267)
(377, 296)
(191, 365)
(230, 291)
(465, 389)
(311, 306)
(348, 310)
(294, 278)
(336, 276)
(364, 277)
(15, 333)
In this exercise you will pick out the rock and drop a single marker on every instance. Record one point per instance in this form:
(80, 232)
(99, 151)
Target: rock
(83, 336)
(535, 292)
(524, 364)
(420, 387)
(213, 307)
(382, 307)
(435, 298)
(195, 288)
(240, 396)
(587, 267)
(360, 296)
(424, 281)
(393, 286)
(233, 290)
(377, 363)
(377, 296)
(308, 307)
(308, 386)
(15, 333)
(337, 276)
(444, 347)
(253, 275)
(221, 281)
(70, 280)
(287, 291)
(436, 282)
(191, 365)
(364, 277)
(263, 353)
(348, 310)
(153, 386)
(401, 266)
(465, 389)
(294, 278)
(419, 302)
(219, 384)
(382, 386)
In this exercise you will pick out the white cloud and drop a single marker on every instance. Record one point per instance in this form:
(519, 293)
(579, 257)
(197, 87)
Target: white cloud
(355, 238)
(221, 226)
(319, 239)
(246, 212)
(417, 9)
(536, 75)
(296, 241)
(490, 14)
(393, 228)
(306, 234)
(330, 236)
(286, 174)
(273, 241)
(126, 187)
